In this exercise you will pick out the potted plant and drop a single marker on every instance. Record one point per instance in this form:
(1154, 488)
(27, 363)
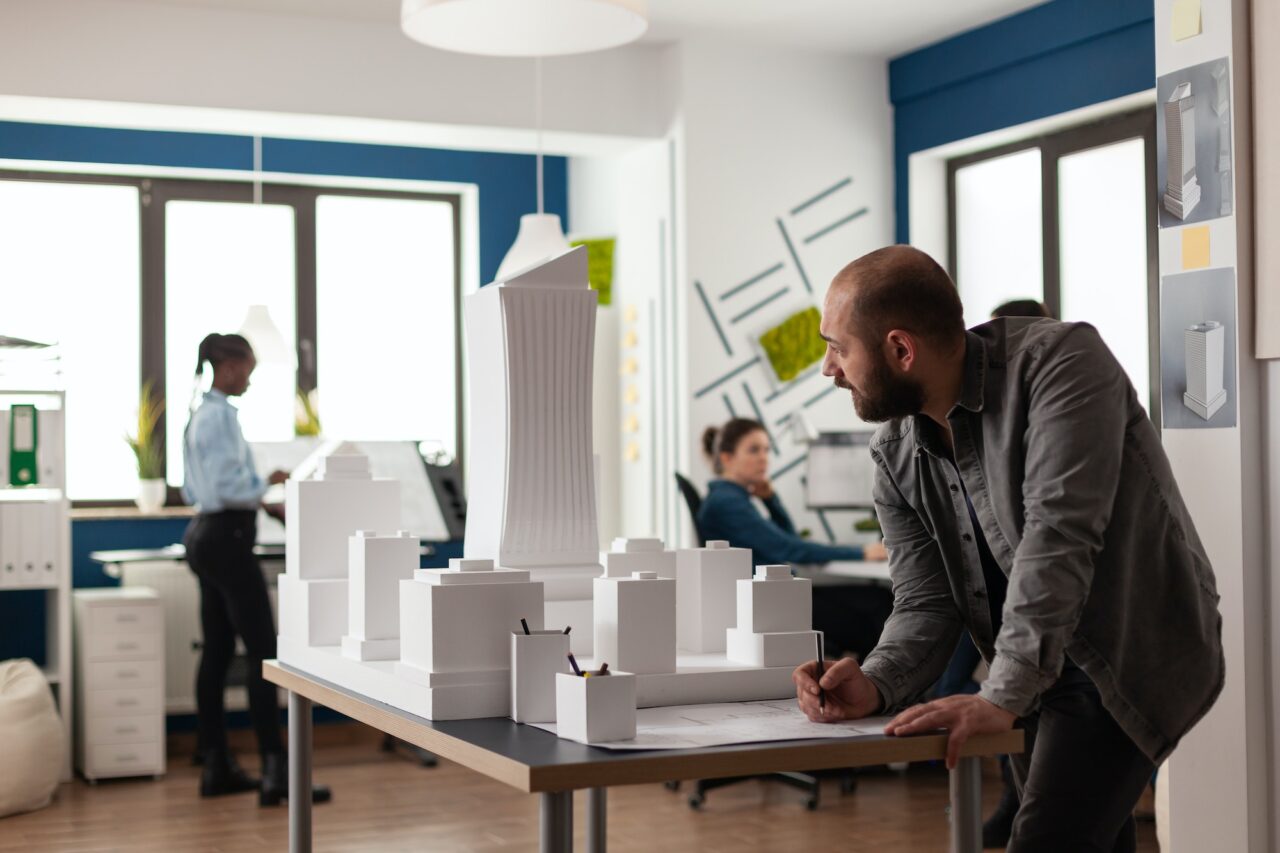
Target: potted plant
(148, 451)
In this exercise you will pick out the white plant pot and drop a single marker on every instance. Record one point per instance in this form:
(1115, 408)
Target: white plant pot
(150, 495)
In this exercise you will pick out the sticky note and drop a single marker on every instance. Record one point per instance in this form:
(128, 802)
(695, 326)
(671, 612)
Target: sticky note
(1186, 19)
(630, 366)
(631, 395)
(631, 424)
(630, 340)
(1195, 247)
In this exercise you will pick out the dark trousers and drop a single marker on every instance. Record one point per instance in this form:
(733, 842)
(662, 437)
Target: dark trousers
(1080, 777)
(233, 602)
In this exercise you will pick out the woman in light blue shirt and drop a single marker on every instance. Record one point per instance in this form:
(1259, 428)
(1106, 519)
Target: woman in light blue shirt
(222, 483)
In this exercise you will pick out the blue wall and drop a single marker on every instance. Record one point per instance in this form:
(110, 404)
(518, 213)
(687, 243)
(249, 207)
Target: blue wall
(507, 182)
(1052, 58)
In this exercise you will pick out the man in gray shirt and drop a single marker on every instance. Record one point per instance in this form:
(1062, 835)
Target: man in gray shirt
(1025, 497)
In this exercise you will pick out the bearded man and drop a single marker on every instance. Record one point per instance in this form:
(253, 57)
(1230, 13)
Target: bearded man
(1024, 497)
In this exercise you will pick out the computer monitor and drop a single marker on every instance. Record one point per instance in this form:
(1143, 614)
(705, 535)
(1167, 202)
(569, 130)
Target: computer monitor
(839, 470)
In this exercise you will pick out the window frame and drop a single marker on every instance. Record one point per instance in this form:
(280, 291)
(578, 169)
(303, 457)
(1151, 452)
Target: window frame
(1054, 145)
(155, 192)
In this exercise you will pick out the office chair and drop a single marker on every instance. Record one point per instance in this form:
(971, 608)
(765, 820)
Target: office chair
(694, 501)
(807, 782)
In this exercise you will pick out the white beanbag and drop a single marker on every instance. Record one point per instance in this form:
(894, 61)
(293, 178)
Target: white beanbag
(32, 748)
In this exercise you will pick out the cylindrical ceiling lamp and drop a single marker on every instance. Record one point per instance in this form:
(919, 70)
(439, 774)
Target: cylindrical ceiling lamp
(524, 27)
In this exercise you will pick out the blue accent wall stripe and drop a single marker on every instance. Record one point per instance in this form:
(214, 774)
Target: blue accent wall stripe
(1050, 59)
(507, 183)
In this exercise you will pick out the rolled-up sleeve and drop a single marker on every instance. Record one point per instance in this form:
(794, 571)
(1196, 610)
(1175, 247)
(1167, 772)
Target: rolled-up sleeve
(1074, 445)
(922, 631)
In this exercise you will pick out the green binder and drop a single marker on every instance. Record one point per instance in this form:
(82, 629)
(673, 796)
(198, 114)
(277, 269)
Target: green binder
(23, 438)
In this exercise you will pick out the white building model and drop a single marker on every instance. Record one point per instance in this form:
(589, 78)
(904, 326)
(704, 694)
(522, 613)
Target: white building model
(356, 610)
(1182, 191)
(1205, 347)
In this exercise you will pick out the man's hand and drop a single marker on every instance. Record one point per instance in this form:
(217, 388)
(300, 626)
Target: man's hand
(850, 694)
(962, 716)
(277, 477)
(276, 511)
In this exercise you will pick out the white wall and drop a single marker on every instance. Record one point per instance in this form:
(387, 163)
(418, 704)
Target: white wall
(199, 56)
(1218, 776)
(764, 131)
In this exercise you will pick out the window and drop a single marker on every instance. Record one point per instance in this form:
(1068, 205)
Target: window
(69, 268)
(382, 371)
(129, 274)
(1063, 219)
(220, 258)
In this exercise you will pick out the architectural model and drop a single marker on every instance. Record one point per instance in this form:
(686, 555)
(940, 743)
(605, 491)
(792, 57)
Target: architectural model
(377, 565)
(635, 623)
(706, 594)
(1182, 192)
(531, 496)
(775, 615)
(1205, 359)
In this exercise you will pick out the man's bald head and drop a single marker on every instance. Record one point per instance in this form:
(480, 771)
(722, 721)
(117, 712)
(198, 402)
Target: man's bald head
(898, 287)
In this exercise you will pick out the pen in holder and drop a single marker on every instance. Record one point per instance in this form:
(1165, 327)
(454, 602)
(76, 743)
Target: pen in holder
(536, 657)
(596, 708)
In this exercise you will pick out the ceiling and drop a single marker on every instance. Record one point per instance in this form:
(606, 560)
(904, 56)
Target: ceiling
(863, 27)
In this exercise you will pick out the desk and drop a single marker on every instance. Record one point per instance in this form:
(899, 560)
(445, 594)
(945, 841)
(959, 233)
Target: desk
(537, 762)
(850, 570)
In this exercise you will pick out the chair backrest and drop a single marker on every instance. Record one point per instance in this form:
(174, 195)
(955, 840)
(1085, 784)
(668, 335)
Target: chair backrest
(694, 501)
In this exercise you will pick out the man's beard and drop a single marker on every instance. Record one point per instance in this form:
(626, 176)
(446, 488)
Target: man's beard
(887, 396)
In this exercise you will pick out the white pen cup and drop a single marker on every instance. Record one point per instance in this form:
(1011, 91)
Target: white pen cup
(535, 660)
(598, 709)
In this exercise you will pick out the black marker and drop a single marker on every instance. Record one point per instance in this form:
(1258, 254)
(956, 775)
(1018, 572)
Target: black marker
(573, 663)
(822, 668)
(525, 626)
(568, 628)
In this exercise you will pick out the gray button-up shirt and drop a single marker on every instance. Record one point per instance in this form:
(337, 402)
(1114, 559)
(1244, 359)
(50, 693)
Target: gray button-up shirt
(1076, 499)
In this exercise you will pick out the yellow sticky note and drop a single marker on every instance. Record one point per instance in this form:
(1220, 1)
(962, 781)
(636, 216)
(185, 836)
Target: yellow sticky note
(633, 451)
(630, 340)
(1186, 19)
(631, 395)
(630, 366)
(631, 424)
(1195, 247)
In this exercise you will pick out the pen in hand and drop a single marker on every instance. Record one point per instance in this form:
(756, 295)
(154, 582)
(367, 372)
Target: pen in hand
(822, 668)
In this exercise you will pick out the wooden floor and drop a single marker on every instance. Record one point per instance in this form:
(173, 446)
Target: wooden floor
(388, 803)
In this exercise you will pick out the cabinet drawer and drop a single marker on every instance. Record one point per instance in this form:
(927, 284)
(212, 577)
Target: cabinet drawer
(124, 759)
(125, 701)
(114, 674)
(122, 646)
(145, 728)
(122, 619)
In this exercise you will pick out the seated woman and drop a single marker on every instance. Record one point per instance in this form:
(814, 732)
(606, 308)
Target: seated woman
(739, 454)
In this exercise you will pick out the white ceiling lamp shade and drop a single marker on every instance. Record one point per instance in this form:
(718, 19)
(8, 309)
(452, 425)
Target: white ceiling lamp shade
(524, 27)
(264, 336)
(540, 237)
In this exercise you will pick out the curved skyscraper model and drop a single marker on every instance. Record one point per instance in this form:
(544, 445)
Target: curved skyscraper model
(531, 499)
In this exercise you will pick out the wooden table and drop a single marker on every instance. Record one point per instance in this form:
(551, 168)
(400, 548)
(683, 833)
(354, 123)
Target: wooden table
(538, 762)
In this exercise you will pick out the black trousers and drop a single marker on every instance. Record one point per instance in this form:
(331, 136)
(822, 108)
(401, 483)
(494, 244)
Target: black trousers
(233, 602)
(1080, 777)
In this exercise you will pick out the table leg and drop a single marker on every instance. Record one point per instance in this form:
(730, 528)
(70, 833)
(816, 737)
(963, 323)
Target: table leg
(966, 806)
(597, 820)
(557, 822)
(299, 773)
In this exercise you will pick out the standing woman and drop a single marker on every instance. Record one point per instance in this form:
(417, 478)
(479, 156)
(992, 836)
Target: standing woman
(222, 484)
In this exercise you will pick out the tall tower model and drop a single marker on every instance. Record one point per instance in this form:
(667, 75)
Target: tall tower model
(1205, 344)
(1182, 191)
(531, 498)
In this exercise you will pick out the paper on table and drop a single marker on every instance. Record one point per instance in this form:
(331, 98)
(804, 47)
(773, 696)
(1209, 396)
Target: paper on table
(1186, 19)
(693, 726)
(1195, 247)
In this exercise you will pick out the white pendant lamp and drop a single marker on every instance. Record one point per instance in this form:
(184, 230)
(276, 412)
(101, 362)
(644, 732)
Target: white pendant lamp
(264, 336)
(524, 27)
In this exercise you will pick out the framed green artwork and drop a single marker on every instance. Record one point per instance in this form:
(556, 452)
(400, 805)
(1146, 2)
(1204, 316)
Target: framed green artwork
(793, 346)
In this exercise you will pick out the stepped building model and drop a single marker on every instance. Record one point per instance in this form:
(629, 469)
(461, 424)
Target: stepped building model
(1182, 191)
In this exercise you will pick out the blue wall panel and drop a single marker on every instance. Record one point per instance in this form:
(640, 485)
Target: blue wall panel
(1053, 58)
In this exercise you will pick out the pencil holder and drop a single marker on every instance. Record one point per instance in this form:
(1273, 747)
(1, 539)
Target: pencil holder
(597, 709)
(535, 660)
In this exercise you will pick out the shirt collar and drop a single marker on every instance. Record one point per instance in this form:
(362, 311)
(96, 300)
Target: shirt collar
(971, 397)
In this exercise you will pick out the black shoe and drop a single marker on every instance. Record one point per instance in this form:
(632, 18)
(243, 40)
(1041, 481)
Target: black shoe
(998, 828)
(275, 782)
(221, 775)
